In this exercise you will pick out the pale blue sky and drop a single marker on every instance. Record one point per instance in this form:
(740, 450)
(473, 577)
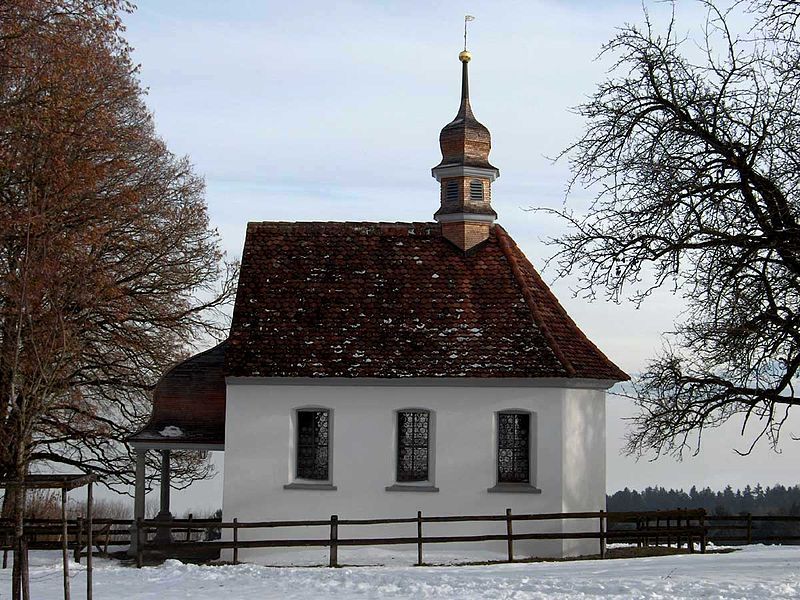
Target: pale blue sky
(331, 111)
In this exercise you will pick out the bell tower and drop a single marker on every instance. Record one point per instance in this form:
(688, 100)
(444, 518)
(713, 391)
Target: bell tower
(465, 175)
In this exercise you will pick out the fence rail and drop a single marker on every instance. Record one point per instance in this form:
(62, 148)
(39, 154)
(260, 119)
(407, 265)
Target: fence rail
(681, 525)
(682, 528)
(754, 528)
(47, 534)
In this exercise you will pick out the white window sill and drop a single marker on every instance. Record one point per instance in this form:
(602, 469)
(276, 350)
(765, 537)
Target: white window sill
(514, 488)
(397, 487)
(310, 486)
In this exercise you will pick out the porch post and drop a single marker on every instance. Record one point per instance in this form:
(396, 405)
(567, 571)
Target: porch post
(164, 484)
(138, 499)
(164, 534)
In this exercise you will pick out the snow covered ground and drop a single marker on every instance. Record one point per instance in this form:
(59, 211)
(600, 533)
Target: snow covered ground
(752, 573)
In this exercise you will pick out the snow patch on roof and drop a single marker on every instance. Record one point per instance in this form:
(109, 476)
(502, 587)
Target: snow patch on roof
(171, 431)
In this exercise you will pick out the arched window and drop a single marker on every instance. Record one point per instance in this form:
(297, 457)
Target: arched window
(476, 190)
(313, 444)
(451, 191)
(514, 447)
(413, 445)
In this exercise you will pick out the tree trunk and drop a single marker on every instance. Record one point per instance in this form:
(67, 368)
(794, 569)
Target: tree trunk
(7, 510)
(18, 513)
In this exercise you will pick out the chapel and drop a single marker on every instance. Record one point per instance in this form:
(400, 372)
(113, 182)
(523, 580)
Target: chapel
(378, 369)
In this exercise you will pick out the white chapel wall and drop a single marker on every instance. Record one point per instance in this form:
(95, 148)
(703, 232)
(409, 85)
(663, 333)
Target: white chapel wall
(260, 440)
(584, 463)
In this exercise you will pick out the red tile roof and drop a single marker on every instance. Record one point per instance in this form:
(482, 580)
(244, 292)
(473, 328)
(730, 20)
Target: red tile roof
(392, 300)
(384, 300)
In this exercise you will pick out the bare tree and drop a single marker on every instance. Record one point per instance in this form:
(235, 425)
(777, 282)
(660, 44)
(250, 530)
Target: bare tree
(693, 148)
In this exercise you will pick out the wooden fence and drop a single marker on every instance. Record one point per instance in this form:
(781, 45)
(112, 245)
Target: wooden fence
(751, 529)
(47, 534)
(721, 530)
(682, 526)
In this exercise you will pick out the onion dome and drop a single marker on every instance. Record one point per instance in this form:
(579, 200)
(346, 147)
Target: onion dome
(464, 141)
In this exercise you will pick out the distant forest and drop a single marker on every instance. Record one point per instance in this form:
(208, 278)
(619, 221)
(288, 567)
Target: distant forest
(776, 500)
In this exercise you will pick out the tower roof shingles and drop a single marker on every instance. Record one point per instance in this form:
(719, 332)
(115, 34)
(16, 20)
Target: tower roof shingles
(465, 141)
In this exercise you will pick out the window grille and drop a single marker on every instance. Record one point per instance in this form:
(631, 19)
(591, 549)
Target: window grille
(413, 437)
(476, 190)
(513, 451)
(312, 444)
(451, 191)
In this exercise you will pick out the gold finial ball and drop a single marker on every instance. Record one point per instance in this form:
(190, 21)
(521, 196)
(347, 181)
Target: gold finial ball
(465, 56)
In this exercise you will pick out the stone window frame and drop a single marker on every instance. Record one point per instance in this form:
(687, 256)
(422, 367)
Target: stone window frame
(527, 487)
(427, 485)
(295, 481)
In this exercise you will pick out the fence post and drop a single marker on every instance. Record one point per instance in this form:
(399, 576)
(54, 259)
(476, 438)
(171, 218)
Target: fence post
(189, 529)
(658, 526)
(602, 534)
(669, 538)
(638, 532)
(749, 528)
(509, 535)
(688, 527)
(108, 537)
(235, 541)
(334, 557)
(26, 569)
(419, 538)
(645, 532)
(703, 532)
(141, 536)
(79, 540)
(89, 539)
(65, 541)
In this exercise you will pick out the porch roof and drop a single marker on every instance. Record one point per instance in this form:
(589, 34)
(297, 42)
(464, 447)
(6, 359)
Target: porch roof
(65, 481)
(189, 404)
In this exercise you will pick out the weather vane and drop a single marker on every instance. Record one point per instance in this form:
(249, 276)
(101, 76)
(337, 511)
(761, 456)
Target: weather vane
(467, 19)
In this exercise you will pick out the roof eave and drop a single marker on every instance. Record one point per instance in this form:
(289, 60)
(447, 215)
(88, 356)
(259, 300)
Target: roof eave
(552, 382)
